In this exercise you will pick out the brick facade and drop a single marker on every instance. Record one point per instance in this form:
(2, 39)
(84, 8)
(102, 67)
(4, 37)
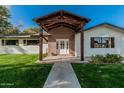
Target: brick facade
(61, 32)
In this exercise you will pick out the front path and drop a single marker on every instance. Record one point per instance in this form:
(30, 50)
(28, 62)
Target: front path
(62, 76)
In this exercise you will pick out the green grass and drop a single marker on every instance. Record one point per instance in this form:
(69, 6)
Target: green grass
(21, 71)
(100, 75)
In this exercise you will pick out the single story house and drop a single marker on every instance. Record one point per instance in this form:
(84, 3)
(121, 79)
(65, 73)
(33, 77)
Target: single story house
(66, 36)
(21, 44)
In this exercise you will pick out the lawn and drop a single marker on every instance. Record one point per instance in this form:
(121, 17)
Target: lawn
(100, 75)
(21, 71)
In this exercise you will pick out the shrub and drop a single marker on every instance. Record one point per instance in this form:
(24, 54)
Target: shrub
(113, 58)
(108, 58)
(97, 58)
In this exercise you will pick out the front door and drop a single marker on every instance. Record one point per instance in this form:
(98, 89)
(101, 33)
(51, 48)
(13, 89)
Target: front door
(62, 46)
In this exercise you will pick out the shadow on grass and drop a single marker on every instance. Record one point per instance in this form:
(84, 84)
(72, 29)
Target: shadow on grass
(23, 76)
(100, 75)
(20, 71)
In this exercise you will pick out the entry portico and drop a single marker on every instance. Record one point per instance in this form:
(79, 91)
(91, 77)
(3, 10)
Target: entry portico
(62, 27)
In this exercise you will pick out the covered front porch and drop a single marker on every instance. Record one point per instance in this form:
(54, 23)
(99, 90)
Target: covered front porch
(61, 27)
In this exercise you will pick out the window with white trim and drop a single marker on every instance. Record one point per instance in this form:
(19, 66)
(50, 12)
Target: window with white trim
(30, 42)
(102, 42)
(10, 42)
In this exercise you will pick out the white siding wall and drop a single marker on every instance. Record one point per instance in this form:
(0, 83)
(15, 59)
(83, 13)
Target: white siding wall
(101, 32)
(77, 44)
(22, 49)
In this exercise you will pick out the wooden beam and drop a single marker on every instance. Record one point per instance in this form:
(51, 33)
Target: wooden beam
(70, 26)
(43, 37)
(43, 27)
(61, 23)
(82, 41)
(41, 46)
(82, 44)
(54, 26)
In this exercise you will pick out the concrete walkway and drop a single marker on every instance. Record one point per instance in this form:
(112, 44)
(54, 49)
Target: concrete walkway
(62, 76)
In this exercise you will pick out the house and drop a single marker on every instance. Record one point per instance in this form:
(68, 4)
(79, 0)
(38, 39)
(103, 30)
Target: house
(102, 39)
(21, 44)
(62, 27)
(66, 36)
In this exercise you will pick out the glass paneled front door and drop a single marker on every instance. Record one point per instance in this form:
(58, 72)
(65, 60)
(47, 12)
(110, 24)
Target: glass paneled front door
(62, 46)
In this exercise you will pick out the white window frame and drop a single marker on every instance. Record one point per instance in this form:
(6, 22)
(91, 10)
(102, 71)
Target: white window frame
(27, 40)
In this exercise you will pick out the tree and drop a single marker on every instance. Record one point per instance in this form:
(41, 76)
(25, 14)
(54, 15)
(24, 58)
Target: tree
(12, 30)
(31, 30)
(5, 25)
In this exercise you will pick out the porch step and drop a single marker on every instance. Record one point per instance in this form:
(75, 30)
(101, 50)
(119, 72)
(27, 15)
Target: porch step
(56, 59)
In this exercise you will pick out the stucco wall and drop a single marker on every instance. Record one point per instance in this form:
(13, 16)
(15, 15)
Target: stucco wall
(21, 49)
(77, 44)
(103, 31)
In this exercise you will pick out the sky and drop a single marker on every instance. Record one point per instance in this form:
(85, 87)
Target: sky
(24, 14)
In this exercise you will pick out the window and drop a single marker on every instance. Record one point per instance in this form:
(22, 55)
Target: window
(30, 42)
(61, 44)
(9, 42)
(57, 45)
(2, 42)
(67, 44)
(102, 42)
(24, 42)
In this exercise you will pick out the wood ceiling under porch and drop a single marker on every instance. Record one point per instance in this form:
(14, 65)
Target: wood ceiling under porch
(61, 18)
